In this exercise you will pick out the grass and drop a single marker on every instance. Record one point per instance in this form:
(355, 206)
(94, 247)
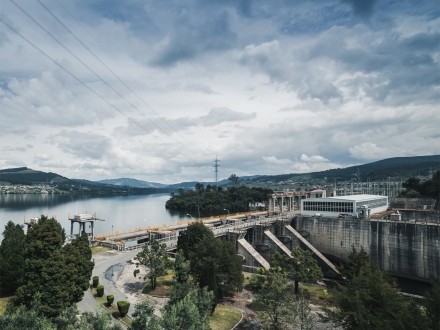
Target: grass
(164, 284)
(99, 249)
(3, 304)
(224, 318)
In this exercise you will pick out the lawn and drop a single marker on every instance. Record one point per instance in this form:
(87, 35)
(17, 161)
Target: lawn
(99, 249)
(224, 318)
(164, 283)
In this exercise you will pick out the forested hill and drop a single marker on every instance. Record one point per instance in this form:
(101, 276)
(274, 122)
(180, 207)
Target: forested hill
(401, 167)
(24, 175)
(29, 177)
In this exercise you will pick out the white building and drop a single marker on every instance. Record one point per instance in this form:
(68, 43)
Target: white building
(359, 206)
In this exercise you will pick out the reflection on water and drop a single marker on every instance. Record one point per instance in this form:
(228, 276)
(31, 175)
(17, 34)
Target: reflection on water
(120, 212)
(25, 201)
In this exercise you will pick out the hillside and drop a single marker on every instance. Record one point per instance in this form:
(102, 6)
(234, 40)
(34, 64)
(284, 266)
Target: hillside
(397, 167)
(24, 175)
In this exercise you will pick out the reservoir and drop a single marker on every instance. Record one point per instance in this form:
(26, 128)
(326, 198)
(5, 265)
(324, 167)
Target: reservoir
(119, 212)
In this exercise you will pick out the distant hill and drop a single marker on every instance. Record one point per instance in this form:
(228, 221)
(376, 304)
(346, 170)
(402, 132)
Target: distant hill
(24, 175)
(397, 167)
(133, 183)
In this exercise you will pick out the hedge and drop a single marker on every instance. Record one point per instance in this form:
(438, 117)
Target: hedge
(123, 307)
(100, 290)
(110, 299)
(95, 281)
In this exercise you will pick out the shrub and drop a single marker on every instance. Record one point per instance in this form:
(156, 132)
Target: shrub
(110, 299)
(100, 290)
(123, 307)
(95, 281)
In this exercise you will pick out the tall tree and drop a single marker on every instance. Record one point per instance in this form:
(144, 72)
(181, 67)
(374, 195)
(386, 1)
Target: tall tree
(43, 244)
(12, 260)
(79, 266)
(370, 301)
(233, 180)
(155, 257)
(277, 300)
(215, 265)
(301, 267)
(191, 236)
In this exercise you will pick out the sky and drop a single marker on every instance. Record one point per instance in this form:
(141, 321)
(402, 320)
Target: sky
(156, 90)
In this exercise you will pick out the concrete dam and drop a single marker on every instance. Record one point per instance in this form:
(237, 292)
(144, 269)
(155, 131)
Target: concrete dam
(407, 249)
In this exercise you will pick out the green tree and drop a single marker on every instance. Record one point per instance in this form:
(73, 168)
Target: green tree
(215, 264)
(12, 260)
(155, 257)
(144, 318)
(191, 236)
(190, 313)
(55, 274)
(301, 267)
(432, 305)
(277, 301)
(356, 260)
(78, 267)
(370, 301)
(233, 180)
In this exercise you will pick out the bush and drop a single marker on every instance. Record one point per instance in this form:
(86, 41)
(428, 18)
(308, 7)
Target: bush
(95, 281)
(100, 290)
(123, 307)
(256, 282)
(110, 299)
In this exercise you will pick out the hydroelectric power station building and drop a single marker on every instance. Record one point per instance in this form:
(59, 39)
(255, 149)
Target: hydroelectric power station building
(358, 206)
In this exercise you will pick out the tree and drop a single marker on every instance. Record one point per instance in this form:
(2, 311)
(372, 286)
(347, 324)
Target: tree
(355, 262)
(370, 301)
(12, 260)
(190, 313)
(301, 267)
(57, 275)
(144, 318)
(191, 236)
(432, 305)
(277, 300)
(155, 257)
(233, 180)
(215, 264)
(79, 266)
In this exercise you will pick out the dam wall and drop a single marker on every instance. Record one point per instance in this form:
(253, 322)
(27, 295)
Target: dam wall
(404, 249)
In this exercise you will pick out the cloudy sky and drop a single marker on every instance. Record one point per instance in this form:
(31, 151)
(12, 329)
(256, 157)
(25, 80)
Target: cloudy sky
(156, 90)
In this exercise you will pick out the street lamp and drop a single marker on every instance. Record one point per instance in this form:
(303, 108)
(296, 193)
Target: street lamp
(226, 211)
(189, 215)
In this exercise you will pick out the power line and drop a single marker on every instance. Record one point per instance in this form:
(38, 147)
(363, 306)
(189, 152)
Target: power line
(91, 70)
(106, 66)
(67, 71)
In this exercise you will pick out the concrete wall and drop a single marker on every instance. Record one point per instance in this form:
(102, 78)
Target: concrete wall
(402, 248)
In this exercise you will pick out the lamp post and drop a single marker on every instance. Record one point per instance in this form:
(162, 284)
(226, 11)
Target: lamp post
(189, 215)
(227, 211)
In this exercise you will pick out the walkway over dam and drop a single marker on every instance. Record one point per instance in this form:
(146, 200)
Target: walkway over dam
(408, 249)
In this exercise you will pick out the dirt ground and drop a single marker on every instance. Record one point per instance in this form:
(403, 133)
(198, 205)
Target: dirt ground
(132, 286)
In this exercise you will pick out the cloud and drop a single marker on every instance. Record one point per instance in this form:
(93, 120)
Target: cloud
(362, 8)
(194, 36)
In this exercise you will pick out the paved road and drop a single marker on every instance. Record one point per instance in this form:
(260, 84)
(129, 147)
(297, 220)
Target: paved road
(103, 268)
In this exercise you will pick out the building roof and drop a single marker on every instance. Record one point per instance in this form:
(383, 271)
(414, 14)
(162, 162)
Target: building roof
(358, 198)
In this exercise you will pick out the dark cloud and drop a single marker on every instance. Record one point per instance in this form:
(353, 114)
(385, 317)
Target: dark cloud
(194, 36)
(362, 8)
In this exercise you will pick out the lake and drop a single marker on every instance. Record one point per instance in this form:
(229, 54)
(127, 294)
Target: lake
(121, 212)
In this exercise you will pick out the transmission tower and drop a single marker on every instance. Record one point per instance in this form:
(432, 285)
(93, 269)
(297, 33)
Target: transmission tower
(216, 166)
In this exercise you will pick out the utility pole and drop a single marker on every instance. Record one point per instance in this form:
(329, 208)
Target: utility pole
(216, 166)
